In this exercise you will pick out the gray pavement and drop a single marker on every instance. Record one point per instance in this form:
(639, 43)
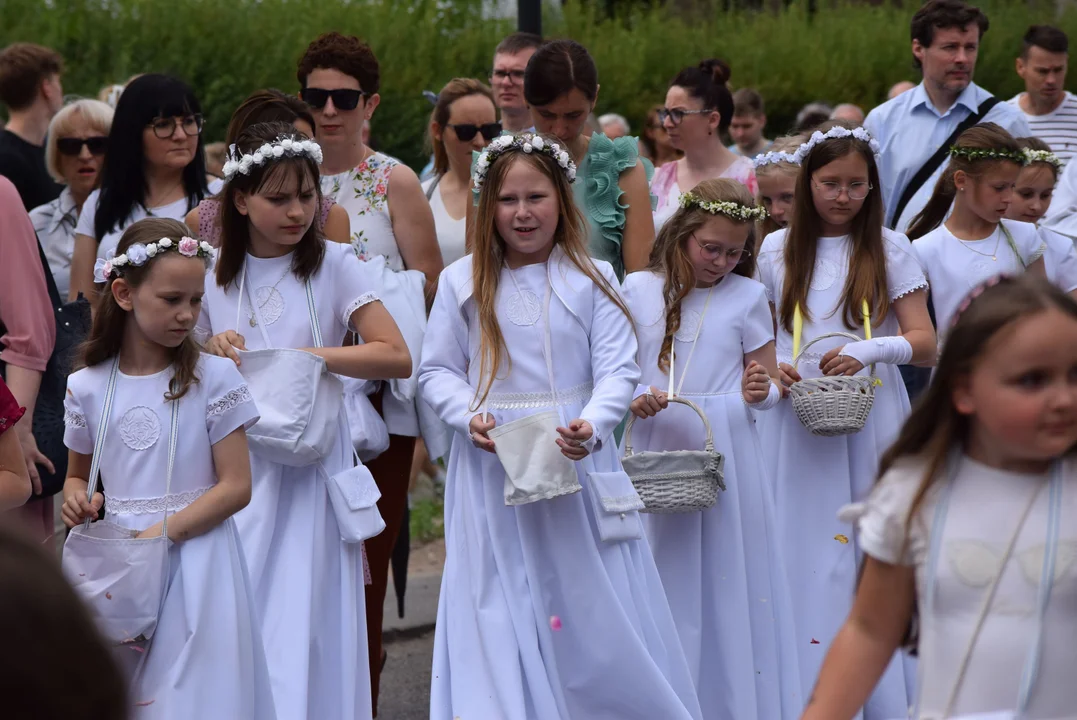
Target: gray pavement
(405, 683)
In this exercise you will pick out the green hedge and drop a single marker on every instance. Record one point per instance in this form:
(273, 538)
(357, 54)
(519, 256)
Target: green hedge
(227, 48)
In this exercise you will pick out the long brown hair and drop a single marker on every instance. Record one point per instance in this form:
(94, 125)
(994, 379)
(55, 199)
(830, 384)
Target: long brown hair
(935, 426)
(267, 105)
(985, 136)
(235, 227)
(106, 337)
(866, 279)
(788, 144)
(488, 254)
(454, 90)
(669, 256)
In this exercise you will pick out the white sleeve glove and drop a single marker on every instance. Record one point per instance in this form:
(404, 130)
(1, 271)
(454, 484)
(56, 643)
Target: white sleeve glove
(884, 350)
(773, 397)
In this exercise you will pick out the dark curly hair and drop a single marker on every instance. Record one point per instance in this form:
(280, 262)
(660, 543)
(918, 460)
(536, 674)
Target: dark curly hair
(348, 54)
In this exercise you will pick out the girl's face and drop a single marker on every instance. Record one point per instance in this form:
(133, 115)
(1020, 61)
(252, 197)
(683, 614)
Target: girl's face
(81, 170)
(468, 114)
(839, 190)
(280, 212)
(527, 213)
(988, 195)
(565, 117)
(171, 150)
(1032, 195)
(165, 306)
(716, 248)
(692, 129)
(776, 193)
(1021, 397)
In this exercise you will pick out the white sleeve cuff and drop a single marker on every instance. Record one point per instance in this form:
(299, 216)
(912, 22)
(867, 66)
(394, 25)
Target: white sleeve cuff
(885, 350)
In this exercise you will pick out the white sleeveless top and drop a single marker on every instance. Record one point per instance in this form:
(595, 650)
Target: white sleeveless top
(452, 233)
(363, 192)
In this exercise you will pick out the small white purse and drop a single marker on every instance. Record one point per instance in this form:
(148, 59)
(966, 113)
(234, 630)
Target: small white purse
(354, 496)
(298, 398)
(122, 579)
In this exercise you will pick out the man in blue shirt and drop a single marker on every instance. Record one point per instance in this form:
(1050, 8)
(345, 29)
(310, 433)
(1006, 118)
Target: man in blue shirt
(913, 126)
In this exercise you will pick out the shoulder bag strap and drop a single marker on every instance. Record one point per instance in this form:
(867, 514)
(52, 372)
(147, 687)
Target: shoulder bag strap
(50, 281)
(433, 186)
(932, 164)
(315, 328)
(173, 440)
(102, 426)
(1013, 246)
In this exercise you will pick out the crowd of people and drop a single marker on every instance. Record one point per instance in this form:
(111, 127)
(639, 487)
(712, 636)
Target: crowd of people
(858, 501)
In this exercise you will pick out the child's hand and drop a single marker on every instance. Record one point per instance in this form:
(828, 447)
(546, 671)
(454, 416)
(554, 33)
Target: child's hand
(225, 345)
(834, 363)
(649, 404)
(788, 375)
(572, 439)
(76, 508)
(151, 532)
(755, 383)
(479, 429)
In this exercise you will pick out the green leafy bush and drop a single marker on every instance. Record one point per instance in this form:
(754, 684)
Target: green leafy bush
(228, 48)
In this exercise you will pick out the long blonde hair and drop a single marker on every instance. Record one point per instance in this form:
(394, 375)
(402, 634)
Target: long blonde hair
(788, 144)
(488, 254)
(669, 256)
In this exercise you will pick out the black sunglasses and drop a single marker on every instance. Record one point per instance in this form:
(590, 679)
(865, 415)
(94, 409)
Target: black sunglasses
(342, 99)
(73, 146)
(467, 131)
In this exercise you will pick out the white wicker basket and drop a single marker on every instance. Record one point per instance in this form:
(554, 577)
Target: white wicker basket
(833, 405)
(676, 481)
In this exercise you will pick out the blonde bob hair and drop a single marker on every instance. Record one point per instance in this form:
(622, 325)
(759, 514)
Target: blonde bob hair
(95, 113)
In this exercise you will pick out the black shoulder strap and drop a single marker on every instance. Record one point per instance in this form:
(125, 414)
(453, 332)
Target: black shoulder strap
(928, 168)
(54, 293)
(433, 186)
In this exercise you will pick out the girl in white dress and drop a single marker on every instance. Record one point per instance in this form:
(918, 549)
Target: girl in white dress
(698, 310)
(206, 657)
(974, 243)
(973, 524)
(834, 258)
(551, 607)
(308, 582)
(776, 173)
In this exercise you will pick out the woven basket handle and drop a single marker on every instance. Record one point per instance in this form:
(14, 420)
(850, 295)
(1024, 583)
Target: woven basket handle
(709, 447)
(811, 342)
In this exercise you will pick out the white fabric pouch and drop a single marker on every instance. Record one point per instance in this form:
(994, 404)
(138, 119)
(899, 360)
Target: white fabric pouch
(299, 401)
(369, 436)
(354, 496)
(616, 505)
(534, 467)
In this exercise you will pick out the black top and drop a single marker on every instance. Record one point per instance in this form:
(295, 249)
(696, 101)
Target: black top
(24, 165)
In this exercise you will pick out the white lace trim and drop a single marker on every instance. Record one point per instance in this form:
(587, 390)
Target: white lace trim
(364, 299)
(908, 287)
(524, 401)
(1037, 254)
(201, 335)
(147, 506)
(73, 419)
(228, 401)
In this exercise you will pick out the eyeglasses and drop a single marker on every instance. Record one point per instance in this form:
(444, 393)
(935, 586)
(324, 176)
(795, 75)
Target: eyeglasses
(832, 190)
(516, 76)
(343, 99)
(165, 128)
(710, 251)
(72, 147)
(676, 114)
(467, 131)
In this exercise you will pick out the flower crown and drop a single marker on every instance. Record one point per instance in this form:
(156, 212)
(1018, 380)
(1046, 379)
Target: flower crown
(774, 157)
(732, 210)
(1017, 156)
(525, 142)
(138, 254)
(835, 133)
(238, 163)
(1044, 156)
(977, 292)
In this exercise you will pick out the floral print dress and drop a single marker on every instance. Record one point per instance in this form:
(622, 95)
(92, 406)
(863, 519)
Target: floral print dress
(364, 192)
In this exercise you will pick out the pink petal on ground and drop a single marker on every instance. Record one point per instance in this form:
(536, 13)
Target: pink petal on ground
(555, 622)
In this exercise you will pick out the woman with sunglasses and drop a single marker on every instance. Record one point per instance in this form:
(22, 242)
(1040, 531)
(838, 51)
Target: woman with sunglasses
(561, 86)
(74, 153)
(463, 121)
(699, 108)
(390, 219)
(155, 166)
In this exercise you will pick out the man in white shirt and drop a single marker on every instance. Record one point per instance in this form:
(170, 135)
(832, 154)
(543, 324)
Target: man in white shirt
(916, 127)
(1051, 112)
(507, 78)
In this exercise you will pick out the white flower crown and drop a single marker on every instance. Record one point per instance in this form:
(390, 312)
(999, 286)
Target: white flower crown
(835, 133)
(138, 254)
(732, 210)
(241, 164)
(774, 157)
(1044, 156)
(525, 142)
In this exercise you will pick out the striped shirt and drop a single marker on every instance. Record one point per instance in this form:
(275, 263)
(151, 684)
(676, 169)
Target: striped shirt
(1058, 128)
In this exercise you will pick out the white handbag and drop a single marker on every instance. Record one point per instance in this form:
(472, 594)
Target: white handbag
(298, 398)
(354, 496)
(369, 435)
(122, 579)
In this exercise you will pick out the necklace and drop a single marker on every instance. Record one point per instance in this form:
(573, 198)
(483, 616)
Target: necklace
(269, 300)
(993, 254)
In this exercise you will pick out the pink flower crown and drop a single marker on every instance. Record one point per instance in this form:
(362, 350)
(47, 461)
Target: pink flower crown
(139, 254)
